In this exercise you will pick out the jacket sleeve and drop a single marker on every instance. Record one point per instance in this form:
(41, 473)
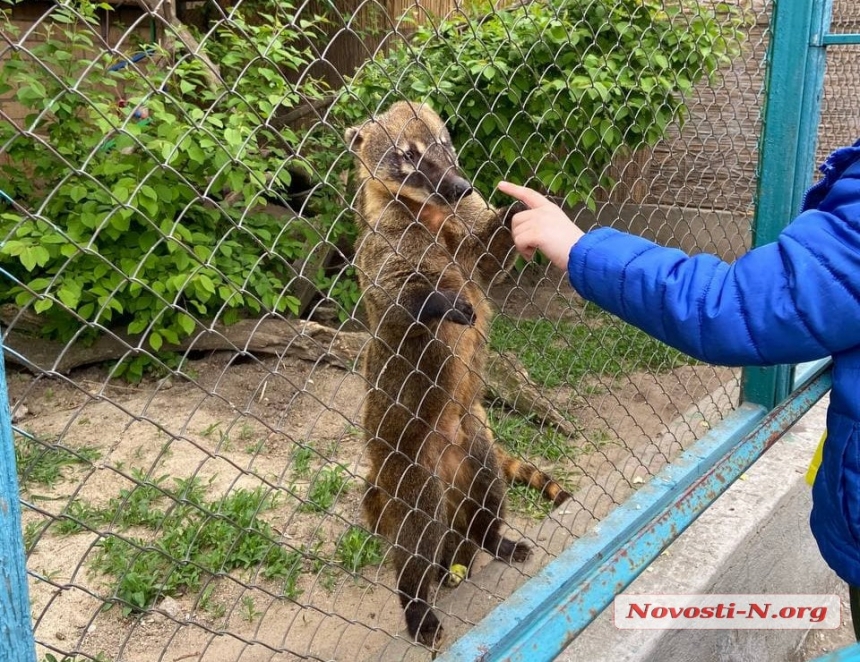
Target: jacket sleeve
(794, 300)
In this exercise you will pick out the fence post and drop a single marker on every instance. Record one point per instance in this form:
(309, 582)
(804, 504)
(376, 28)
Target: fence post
(16, 631)
(795, 81)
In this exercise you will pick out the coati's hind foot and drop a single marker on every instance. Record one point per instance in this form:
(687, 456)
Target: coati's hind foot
(513, 551)
(422, 624)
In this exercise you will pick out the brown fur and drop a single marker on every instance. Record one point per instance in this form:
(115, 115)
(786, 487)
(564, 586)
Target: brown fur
(429, 246)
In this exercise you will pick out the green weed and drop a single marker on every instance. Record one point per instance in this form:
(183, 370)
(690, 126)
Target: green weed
(196, 539)
(249, 609)
(557, 353)
(358, 548)
(209, 430)
(33, 531)
(325, 488)
(288, 567)
(78, 516)
(42, 462)
(526, 439)
(301, 461)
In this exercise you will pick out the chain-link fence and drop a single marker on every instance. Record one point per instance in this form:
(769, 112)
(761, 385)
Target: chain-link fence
(840, 122)
(185, 325)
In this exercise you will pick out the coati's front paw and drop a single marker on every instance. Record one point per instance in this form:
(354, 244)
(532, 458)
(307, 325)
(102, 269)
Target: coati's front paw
(448, 306)
(461, 313)
(507, 213)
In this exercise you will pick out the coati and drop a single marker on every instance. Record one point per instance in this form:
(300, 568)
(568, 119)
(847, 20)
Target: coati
(428, 246)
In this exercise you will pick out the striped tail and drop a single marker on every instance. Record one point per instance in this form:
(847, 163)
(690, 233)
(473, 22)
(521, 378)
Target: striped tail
(516, 471)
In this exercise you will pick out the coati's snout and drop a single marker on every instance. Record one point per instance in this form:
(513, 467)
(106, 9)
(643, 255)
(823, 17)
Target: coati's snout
(435, 173)
(408, 149)
(458, 188)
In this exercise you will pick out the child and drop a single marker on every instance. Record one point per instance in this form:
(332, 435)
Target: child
(794, 300)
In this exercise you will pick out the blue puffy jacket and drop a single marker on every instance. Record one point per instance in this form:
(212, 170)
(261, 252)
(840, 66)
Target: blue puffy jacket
(794, 300)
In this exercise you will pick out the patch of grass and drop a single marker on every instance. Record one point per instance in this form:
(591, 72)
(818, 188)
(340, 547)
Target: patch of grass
(527, 502)
(249, 609)
(557, 353)
(33, 531)
(196, 539)
(191, 490)
(215, 609)
(325, 489)
(301, 461)
(358, 548)
(44, 463)
(526, 439)
(210, 429)
(288, 567)
(78, 516)
(138, 506)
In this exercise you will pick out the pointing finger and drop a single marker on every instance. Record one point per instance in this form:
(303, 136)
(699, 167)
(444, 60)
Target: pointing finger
(524, 194)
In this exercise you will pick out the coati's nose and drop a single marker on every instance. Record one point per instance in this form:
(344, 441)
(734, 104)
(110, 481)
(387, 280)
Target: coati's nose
(460, 188)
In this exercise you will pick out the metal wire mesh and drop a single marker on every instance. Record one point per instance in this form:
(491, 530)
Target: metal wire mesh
(840, 124)
(183, 325)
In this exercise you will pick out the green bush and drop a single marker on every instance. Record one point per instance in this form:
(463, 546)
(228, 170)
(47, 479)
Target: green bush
(553, 90)
(137, 192)
(135, 195)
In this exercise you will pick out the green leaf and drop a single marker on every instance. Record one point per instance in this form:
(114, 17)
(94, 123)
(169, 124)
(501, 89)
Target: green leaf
(34, 256)
(70, 294)
(138, 326)
(42, 305)
(155, 340)
(206, 283)
(186, 323)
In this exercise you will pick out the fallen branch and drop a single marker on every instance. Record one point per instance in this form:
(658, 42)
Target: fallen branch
(507, 379)
(300, 338)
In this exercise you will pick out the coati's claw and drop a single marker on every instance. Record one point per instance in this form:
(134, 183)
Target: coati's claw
(461, 313)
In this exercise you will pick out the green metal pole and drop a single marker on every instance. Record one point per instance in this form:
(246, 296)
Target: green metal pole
(795, 79)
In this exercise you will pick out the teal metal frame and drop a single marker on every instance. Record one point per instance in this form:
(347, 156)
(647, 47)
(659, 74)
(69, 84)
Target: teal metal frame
(17, 643)
(849, 653)
(795, 79)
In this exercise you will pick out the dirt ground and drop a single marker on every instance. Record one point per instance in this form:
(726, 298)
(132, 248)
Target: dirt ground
(239, 422)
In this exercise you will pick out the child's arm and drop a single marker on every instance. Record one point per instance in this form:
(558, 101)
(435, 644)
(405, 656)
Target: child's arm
(794, 300)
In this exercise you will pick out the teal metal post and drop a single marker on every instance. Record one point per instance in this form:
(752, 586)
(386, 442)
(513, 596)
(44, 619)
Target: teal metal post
(795, 80)
(16, 631)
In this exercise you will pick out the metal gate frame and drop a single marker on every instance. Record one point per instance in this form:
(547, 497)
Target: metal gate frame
(543, 616)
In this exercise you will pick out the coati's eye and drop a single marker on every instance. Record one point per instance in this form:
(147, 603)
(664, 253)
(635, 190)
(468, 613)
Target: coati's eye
(411, 156)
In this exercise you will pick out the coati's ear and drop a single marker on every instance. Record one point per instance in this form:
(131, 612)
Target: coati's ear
(353, 137)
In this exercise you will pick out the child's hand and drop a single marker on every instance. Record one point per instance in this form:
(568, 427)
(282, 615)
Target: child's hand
(542, 226)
